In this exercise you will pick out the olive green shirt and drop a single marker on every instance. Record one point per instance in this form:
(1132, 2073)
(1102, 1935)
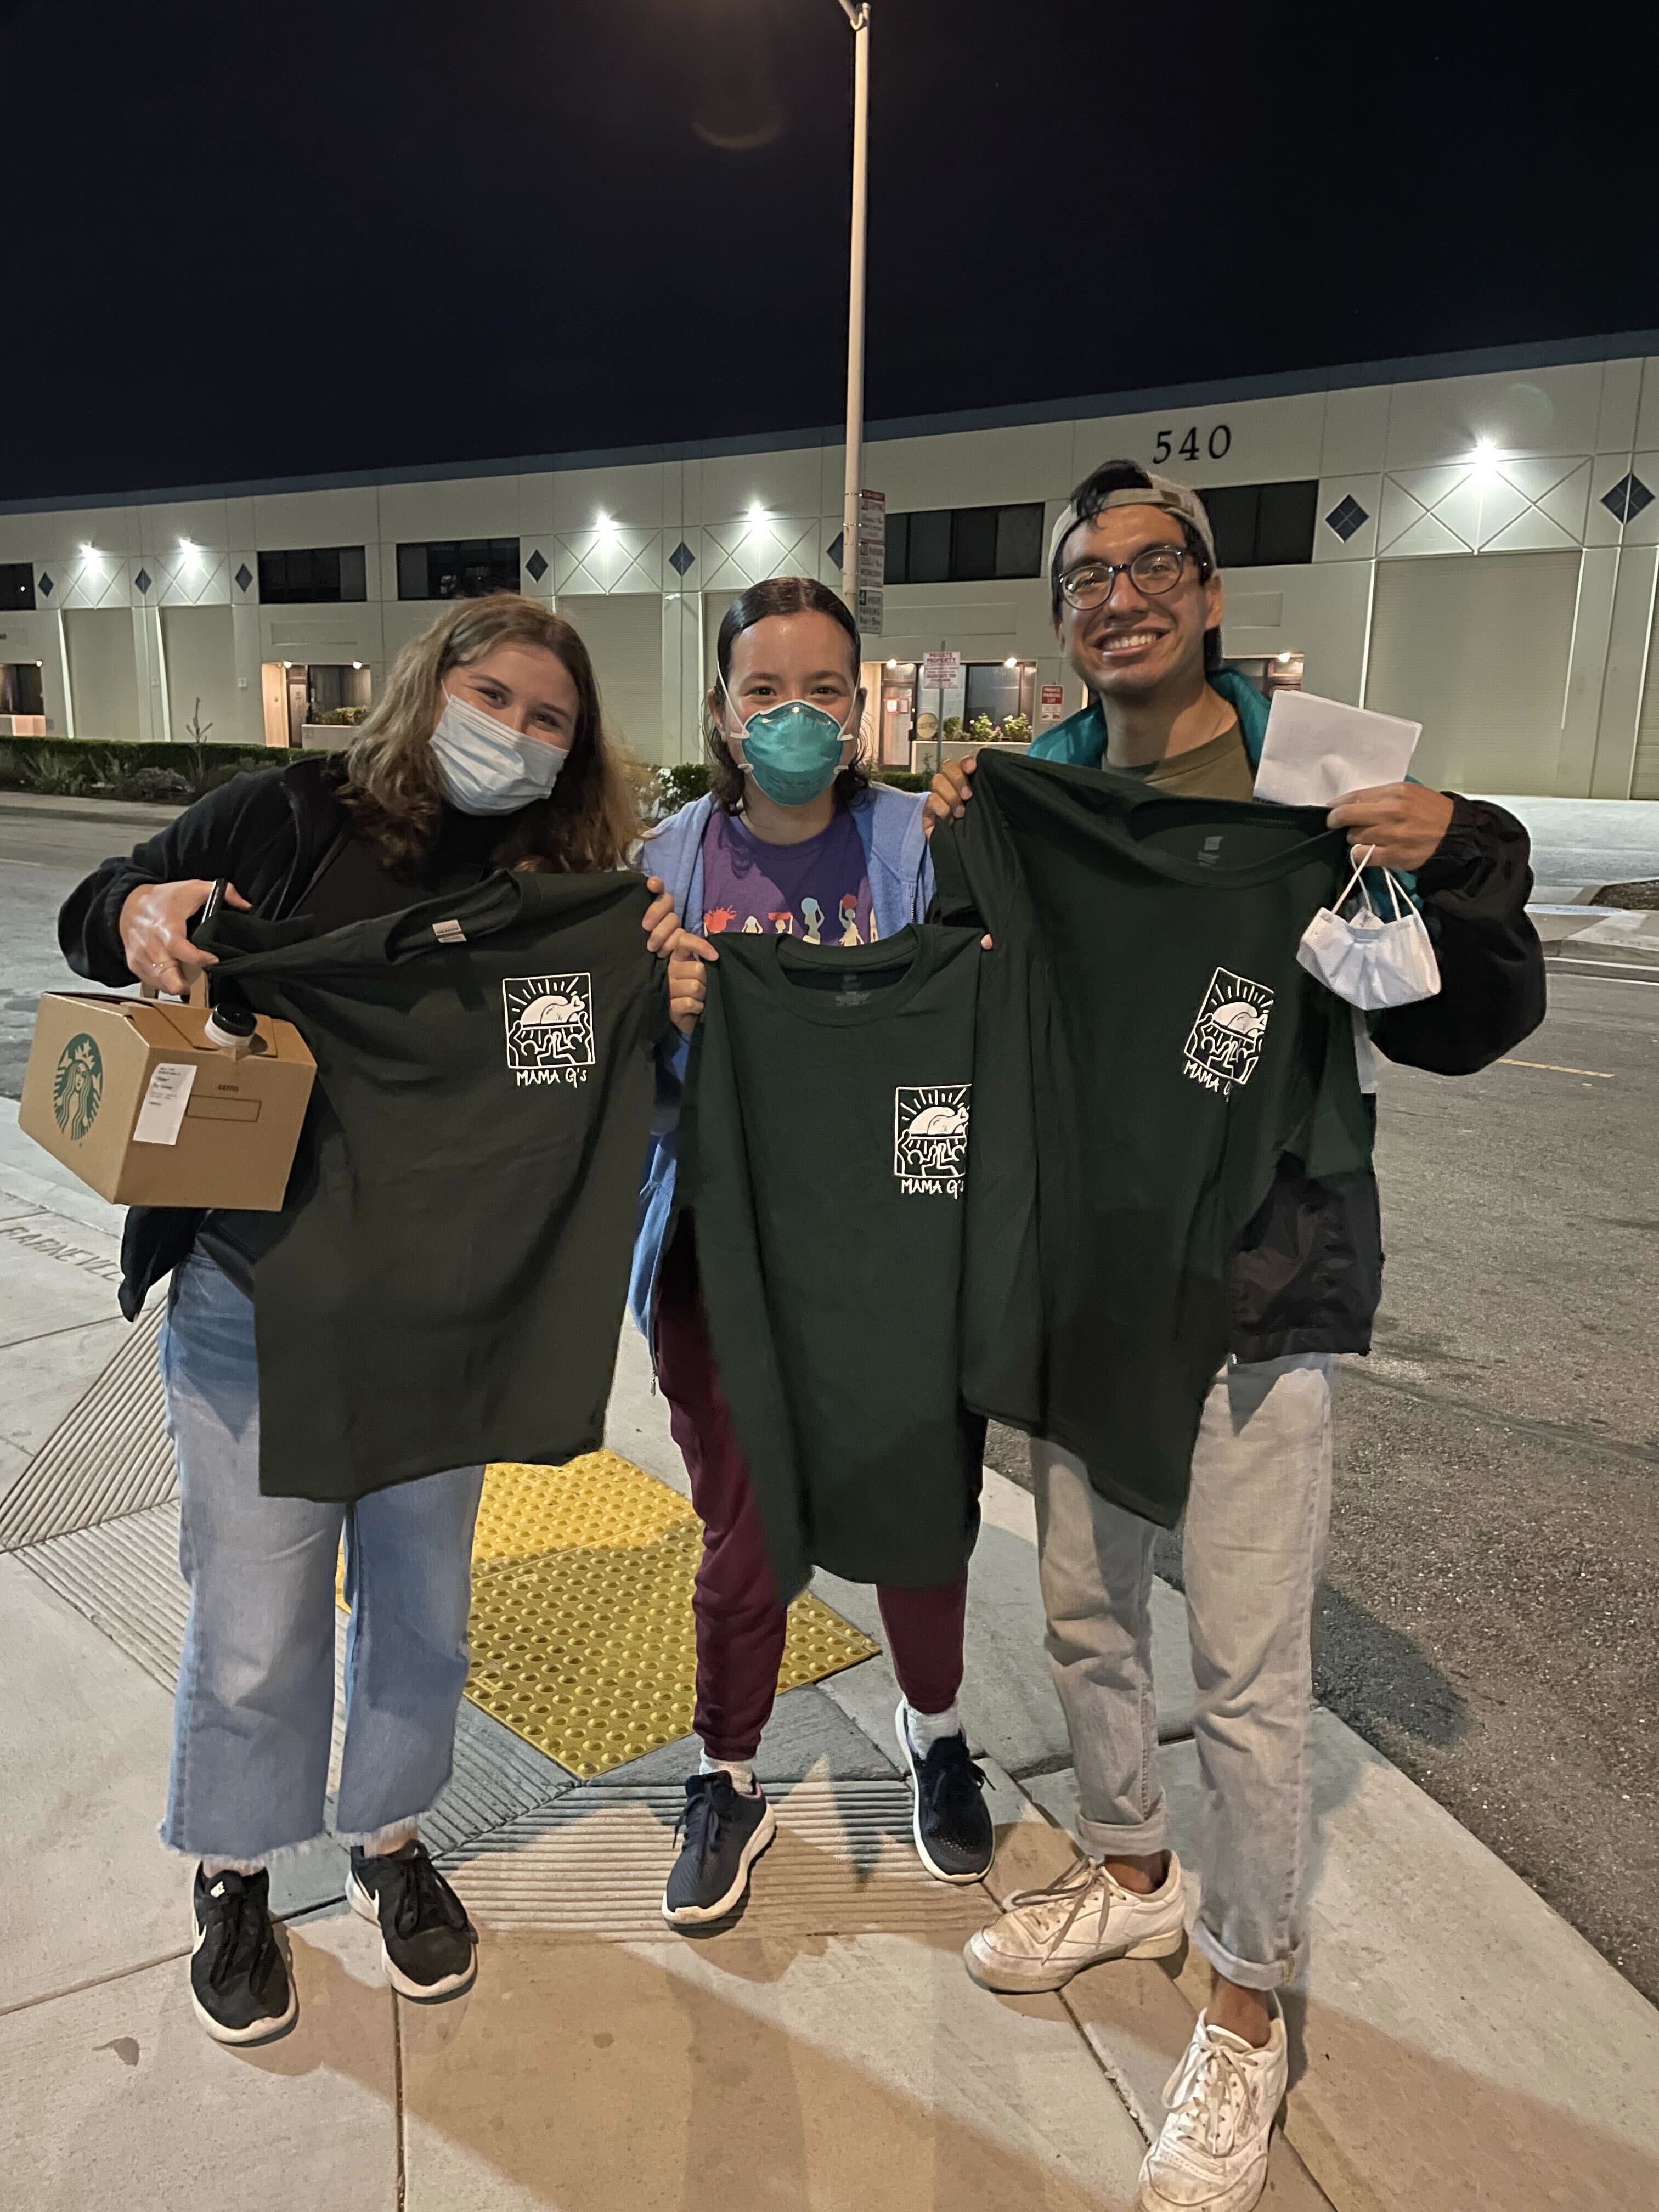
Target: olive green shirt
(1220, 769)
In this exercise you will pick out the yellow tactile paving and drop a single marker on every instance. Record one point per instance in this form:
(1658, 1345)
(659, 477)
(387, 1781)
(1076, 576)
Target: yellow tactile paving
(581, 1629)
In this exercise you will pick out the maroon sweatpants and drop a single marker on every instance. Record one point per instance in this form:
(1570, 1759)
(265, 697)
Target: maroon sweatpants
(740, 1619)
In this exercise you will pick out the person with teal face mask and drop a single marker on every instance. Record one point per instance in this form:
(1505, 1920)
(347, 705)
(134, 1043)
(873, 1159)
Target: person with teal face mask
(793, 837)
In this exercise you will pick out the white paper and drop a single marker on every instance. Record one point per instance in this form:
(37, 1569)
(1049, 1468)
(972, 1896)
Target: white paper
(1317, 750)
(162, 1114)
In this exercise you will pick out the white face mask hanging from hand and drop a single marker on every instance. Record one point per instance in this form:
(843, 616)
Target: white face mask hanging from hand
(1370, 963)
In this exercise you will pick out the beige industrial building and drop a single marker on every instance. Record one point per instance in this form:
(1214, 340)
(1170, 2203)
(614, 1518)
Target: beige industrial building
(1473, 543)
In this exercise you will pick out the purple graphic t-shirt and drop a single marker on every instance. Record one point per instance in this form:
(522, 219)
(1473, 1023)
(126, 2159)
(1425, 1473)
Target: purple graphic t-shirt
(818, 891)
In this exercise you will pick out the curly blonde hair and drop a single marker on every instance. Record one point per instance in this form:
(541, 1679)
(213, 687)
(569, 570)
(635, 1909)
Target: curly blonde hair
(389, 786)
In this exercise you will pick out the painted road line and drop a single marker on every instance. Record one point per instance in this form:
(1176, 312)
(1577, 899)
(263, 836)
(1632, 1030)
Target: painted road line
(1609, 971)
(1548, 1067)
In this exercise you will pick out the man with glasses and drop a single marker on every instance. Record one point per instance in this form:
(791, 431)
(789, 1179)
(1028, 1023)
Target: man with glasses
(1137, 606)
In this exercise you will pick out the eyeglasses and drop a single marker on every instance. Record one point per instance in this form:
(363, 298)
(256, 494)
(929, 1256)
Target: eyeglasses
(1155, 569)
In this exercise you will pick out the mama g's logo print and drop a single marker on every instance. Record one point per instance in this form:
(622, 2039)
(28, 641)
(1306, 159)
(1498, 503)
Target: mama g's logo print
(549, 1027)
(77, 1088)
(930, 1137)
(1225, 1042)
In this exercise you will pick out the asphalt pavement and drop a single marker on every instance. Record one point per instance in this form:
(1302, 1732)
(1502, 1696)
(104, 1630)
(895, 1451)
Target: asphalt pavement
(1493, 1581)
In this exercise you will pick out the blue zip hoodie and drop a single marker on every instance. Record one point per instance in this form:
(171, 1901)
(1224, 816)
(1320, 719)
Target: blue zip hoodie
(900, 871)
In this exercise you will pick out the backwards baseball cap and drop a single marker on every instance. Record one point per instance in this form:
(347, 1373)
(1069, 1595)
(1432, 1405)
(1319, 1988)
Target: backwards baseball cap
(1148, 490)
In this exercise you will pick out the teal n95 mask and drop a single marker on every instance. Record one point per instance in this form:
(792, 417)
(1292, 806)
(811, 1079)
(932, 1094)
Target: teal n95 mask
(794, 751)
(1370, 962)
(486, 768)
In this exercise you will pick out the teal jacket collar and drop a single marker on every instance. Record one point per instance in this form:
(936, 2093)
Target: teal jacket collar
(1081, 740)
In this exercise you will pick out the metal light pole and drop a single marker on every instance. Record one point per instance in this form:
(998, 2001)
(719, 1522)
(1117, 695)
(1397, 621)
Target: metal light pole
(857, 12)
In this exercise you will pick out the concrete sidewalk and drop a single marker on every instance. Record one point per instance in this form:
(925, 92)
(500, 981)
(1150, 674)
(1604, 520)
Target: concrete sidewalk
(1458, 2045)
(1616, 938)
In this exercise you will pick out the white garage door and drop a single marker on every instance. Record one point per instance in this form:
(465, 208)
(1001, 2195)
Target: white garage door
(623, 631)
(1476, 647)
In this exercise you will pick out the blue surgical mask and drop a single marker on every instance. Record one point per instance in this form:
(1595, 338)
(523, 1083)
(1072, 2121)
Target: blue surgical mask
(795, 752)
(484, 767)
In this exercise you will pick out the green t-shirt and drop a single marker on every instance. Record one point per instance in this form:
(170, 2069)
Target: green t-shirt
(1148, 1050)
(823, 1146)
(445, 1284)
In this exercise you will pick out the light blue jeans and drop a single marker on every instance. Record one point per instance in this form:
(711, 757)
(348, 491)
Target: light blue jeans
(1253, 1547)
(255, 1712)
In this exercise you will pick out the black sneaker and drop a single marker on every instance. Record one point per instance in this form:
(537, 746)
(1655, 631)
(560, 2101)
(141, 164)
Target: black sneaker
(239, 1983)
(725, 1833)
(427, 1945)
(952, 1821)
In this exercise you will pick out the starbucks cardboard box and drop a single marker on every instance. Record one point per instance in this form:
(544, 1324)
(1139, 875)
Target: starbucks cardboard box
(134, 1099)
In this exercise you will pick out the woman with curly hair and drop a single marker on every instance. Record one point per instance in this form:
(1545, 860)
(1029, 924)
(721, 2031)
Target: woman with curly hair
(487, 750)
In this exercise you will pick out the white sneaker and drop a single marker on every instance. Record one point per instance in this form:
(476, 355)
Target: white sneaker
(1047, 1935)
(1211, 2155)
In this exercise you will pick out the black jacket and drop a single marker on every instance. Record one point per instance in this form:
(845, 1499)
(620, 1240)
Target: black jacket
(269, 832)
(1307, 1272)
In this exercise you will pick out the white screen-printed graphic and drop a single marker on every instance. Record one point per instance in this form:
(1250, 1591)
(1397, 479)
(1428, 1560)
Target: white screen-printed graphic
(1225, 1042)
(549, 1028)
(930, 1137)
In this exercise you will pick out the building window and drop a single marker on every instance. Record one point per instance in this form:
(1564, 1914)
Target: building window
(16, 586)
(458, 568)
(965, 544)
(316, 576)
(1266, 526)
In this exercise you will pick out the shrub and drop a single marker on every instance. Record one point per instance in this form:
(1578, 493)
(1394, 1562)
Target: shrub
(1016, 731)
(60, 771)
(80, 768)
(904, 779)
(680, 783)
(154, 786)
(981, 728)
(338, 718)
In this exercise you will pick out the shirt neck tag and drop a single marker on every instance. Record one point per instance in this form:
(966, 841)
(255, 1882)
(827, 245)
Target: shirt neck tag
(449, 932)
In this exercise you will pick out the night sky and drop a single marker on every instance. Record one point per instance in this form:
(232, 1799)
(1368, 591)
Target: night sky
(251, 241)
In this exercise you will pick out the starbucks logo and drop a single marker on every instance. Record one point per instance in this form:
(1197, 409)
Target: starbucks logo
(77, 1089)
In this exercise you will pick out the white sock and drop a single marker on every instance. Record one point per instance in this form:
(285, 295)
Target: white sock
(925, 1729)
(742, 1773)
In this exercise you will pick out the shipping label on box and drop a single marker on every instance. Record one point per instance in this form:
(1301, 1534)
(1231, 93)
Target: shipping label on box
(130, 1095)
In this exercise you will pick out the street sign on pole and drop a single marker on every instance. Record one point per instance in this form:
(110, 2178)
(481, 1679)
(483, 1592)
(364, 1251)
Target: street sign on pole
(857, 12)
(941, 670)
(872, 562)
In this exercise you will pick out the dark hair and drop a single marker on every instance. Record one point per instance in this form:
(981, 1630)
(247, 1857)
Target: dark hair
(1090, 499)
(779, 595)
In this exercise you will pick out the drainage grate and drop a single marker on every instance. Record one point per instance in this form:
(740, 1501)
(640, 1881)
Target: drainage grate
(593, 1864)
(109, 1456)
(123, 1577)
